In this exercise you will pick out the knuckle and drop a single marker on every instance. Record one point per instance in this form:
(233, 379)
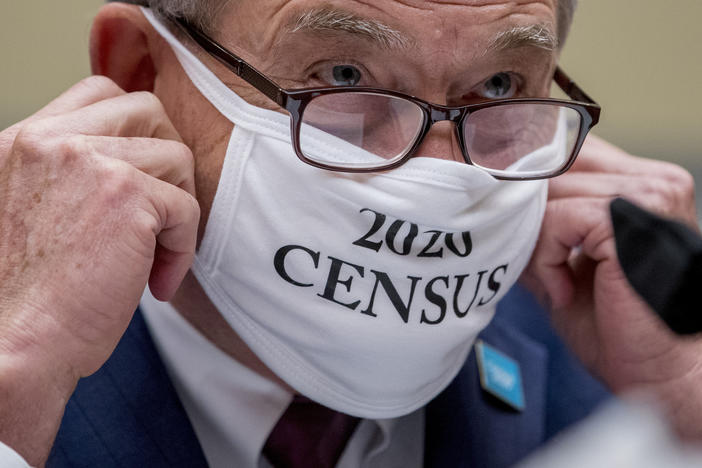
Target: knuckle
(185, 157)
(100, 85)
(655, 194)
(73, 147)
(37, 142)
(194, 206)
(145, 222)
(681, 180)
(150, 100)
(651, 186)
(556, 211)
(148, 104)
(673, 185)
(117, 182)
(661, 193)
(31, 142)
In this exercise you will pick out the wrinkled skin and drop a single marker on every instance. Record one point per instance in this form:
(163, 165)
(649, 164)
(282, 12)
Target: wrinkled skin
(99, 197)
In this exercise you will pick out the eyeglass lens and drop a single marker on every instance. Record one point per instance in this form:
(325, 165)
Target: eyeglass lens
(366, 130)
(374, 129)
(524, 139)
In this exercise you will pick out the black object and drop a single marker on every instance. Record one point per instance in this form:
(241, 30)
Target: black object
(662, 259)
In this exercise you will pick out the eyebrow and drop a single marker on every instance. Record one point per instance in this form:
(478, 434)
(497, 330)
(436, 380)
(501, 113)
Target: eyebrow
(327, 19)
(539, 36)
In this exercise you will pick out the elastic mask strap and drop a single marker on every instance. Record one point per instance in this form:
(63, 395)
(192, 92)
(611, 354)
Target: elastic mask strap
(226, 101)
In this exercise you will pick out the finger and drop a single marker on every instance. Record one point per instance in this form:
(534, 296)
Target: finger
(87, 91)
(597, 155)
(652, 190)
(568, 224)
(179, 214)
(167, 160)
(138, 114)
(591, 184)
(655, 191)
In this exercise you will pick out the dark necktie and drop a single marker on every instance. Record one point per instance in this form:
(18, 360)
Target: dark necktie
(309, 435)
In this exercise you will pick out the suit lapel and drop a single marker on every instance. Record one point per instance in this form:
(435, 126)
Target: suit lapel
(466, 427)
(127, 413)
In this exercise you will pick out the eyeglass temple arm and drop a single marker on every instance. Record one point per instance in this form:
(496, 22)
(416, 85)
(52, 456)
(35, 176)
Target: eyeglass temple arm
(275, 92)
(570, 88)
(234, 63)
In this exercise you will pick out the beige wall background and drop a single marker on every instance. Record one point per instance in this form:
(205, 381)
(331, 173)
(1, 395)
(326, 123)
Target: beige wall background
(640, 59)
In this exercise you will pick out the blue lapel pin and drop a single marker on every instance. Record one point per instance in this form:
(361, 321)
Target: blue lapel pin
(500, 375)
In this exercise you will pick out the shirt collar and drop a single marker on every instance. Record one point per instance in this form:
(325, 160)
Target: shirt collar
(232, 408)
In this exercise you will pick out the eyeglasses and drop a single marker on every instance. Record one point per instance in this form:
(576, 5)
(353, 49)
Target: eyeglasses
(365, 129)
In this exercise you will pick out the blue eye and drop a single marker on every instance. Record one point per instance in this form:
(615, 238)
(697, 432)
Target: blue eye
(345, 75)
(500, 85)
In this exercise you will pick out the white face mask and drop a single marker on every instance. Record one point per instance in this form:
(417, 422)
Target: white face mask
(364, 293)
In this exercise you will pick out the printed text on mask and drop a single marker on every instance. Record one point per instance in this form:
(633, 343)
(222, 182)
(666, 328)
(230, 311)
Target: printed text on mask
(460, 293)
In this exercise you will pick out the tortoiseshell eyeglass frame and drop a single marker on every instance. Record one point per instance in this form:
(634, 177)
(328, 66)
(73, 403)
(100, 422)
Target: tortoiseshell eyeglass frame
(294, 101)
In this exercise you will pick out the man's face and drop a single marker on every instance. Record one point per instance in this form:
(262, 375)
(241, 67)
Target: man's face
(452, 53)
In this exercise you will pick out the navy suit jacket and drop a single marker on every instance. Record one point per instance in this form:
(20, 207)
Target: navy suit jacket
(128, 414)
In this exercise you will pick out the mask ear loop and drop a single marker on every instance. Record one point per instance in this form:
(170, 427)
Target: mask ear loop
(225, 100)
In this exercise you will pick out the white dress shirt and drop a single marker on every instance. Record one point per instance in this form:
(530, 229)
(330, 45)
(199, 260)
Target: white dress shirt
(11, 459)
(233, 409)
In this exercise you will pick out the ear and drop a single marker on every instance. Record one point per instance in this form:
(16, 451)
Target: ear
(122, 47)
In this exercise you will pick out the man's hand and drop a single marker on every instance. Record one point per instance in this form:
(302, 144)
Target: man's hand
(97, 195)
(575, 270)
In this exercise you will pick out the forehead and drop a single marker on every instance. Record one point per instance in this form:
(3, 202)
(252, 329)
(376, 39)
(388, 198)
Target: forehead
(420, 21)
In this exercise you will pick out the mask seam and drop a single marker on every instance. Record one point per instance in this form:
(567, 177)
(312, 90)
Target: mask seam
(226, 198)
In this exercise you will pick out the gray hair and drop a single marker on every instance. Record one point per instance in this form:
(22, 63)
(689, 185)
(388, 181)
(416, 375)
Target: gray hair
(203, 12)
